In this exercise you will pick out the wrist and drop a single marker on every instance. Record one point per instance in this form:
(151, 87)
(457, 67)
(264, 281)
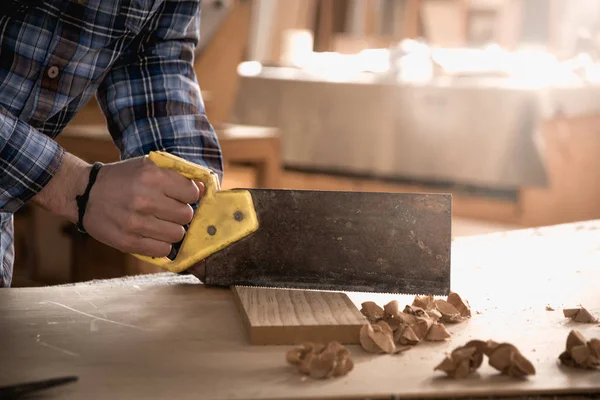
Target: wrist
(59, 195)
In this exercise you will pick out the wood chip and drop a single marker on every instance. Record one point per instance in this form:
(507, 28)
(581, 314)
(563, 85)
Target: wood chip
(579, 315)
(449, 313)
(321, 361)
(437, 333)
(414, 310)
(460, 304)
(549, 308)
(406, 336)
(392, 308)
(372, 311)
(406, 319)
(295, 356)
(377, 338)
(421, 328)
(394, 323)
(461, 362)
(580, 353)
(507, 359)
(435, 315)
(574, 339)
(482, 347)
(423, 302)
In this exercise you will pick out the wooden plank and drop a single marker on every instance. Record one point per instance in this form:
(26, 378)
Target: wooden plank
(188, 341)
(287, 317)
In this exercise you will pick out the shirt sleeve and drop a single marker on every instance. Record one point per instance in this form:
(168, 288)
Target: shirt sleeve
(151, 97)
(28, 160)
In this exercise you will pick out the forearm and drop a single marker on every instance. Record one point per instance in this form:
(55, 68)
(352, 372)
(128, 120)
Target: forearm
(35, 168)
(70, 180)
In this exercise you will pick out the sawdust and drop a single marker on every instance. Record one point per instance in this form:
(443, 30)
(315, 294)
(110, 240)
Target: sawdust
(549, 308)
(581, 353)
(580, 315)
(320, 361)
(504, 357)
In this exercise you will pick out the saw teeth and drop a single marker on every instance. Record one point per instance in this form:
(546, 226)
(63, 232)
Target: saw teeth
(343, 291)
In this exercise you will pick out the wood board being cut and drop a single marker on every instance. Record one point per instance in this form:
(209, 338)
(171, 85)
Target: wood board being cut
(287, 316)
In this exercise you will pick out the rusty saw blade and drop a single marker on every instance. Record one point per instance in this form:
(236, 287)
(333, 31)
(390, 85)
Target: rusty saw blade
(343, 241)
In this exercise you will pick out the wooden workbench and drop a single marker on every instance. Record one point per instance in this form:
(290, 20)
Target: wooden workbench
(165, 336)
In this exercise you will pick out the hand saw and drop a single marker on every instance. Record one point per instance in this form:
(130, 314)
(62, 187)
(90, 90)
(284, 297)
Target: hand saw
(308, 239)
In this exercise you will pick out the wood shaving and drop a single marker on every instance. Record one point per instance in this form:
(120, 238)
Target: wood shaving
(453, 309)
(450, 314)
(504, 357)
(460, 304)
(406, 319)
(481, 346)
(320, 361)
(461, 362)
(391, 309)
(581, 353)
(579, 315)
(507, 359)
(406, 336)
(422, 327)
(372, 311)
(377, 338)
(391, 327)
(423, 302)
(414, 310)
(413, 324)
(435, 315)
(549, 308)
(437, 333)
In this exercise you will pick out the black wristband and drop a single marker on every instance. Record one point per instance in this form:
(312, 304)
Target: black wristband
(83, 199)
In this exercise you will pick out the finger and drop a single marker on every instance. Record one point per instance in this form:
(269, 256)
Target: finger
(146, 246)
(170, 210)
(180, 188)
(153, 228)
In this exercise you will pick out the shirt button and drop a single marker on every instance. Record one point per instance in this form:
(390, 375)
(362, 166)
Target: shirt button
(53, 72)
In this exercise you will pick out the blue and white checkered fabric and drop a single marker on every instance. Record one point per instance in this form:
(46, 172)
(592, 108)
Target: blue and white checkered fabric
(136, 56)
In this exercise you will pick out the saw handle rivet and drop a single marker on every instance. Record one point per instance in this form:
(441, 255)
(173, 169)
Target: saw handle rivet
(238, 215)
(212, 230)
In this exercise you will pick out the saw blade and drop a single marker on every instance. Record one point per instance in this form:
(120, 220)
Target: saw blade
(342, 241)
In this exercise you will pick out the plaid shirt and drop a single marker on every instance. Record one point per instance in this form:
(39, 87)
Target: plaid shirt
(136, 56)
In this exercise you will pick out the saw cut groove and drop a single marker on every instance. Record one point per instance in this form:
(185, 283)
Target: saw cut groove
(289, 317)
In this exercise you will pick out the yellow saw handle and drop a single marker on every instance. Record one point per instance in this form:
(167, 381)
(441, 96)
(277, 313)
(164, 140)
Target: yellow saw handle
(222, 217)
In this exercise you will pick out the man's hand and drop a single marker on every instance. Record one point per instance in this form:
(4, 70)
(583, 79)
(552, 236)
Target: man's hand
(134, 205)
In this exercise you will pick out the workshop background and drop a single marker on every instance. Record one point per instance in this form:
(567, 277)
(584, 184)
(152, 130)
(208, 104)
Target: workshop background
(494, 101)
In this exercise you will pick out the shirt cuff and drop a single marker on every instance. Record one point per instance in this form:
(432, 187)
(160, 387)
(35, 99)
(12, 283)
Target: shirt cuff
(28, 160)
